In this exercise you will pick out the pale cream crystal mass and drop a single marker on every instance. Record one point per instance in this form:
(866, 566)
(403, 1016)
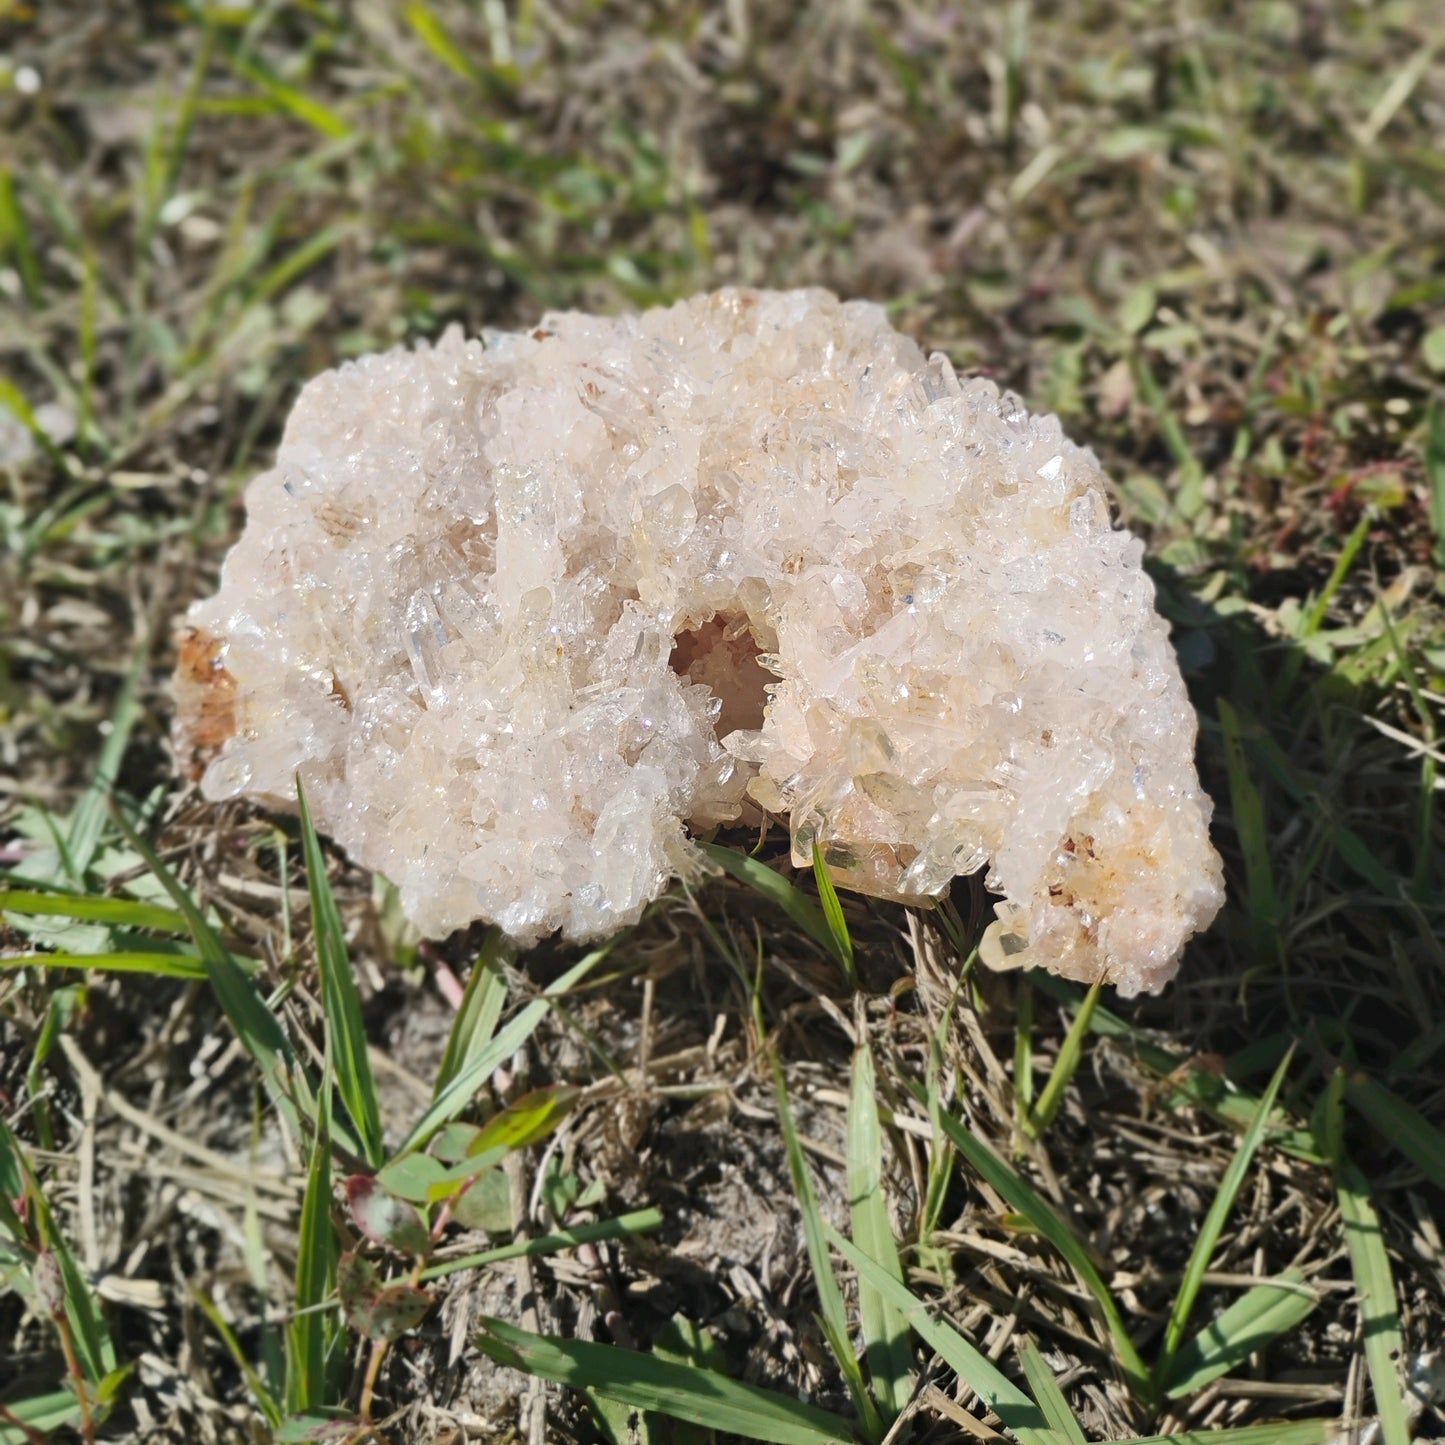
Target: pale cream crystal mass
(525, 613)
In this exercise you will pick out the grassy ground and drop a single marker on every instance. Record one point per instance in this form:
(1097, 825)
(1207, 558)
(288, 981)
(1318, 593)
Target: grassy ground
(1212, 237)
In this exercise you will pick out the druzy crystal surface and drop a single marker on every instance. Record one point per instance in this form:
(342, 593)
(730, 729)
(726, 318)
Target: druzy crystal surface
(528, 613)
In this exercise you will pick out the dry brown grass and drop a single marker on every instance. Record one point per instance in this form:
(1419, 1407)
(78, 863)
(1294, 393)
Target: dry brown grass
(1211, 236)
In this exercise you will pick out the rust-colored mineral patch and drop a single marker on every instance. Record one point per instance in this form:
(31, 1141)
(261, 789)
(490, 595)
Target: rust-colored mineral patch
(205, 700)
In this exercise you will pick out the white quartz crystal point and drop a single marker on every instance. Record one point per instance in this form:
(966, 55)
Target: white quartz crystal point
(521, 612)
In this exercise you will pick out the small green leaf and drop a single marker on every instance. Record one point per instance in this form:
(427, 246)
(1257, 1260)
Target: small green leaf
(320, 1427)
(458, 1093)
(1432, 348)
(486, 1204)
(385, 1219)
(412, 1176)
(378, 1311)
(528, 1119)
(1137, 309)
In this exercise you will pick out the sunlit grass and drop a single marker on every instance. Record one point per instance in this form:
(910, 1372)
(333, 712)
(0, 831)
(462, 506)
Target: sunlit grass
(1205, 240)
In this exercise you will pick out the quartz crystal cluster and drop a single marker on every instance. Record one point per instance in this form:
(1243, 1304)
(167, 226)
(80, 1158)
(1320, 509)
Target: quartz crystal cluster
(528, 613)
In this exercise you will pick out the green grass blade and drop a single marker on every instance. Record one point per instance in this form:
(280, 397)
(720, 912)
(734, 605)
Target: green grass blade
(1024, 1198)
(295, 263)
(258, 1029)
(885, 1331)
(1258, 1316)
(480, 1010)
(1424, 853)
(13, 400)
(1189, 498)
(1294, 1432)
(269, 1406)
(777, 889)
(15, 239)
(640, 1221)
(1038, 1119)
(1435, 474)
(620, 1424)
(435, 36)
(1024, 1051)
(310, 1330)
(841, 940)
(1197, 1087)
(354, 1079)
(119, 912)
(1405, 1127)
(1019, 1413)
(87, 429)
(1214, 1221)
(941, 1154)
(87, 1325)
(684, 1392)
(1370, 1265)
(1047, 1392)
(167, 144)
(287, 98)
(1379, 1309)
(59, 1009)
(459, 1091)
(161, 965)
(1249, 823)
(832, 1312)
(1319, 610)
(22, 1422)
(87, 823)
